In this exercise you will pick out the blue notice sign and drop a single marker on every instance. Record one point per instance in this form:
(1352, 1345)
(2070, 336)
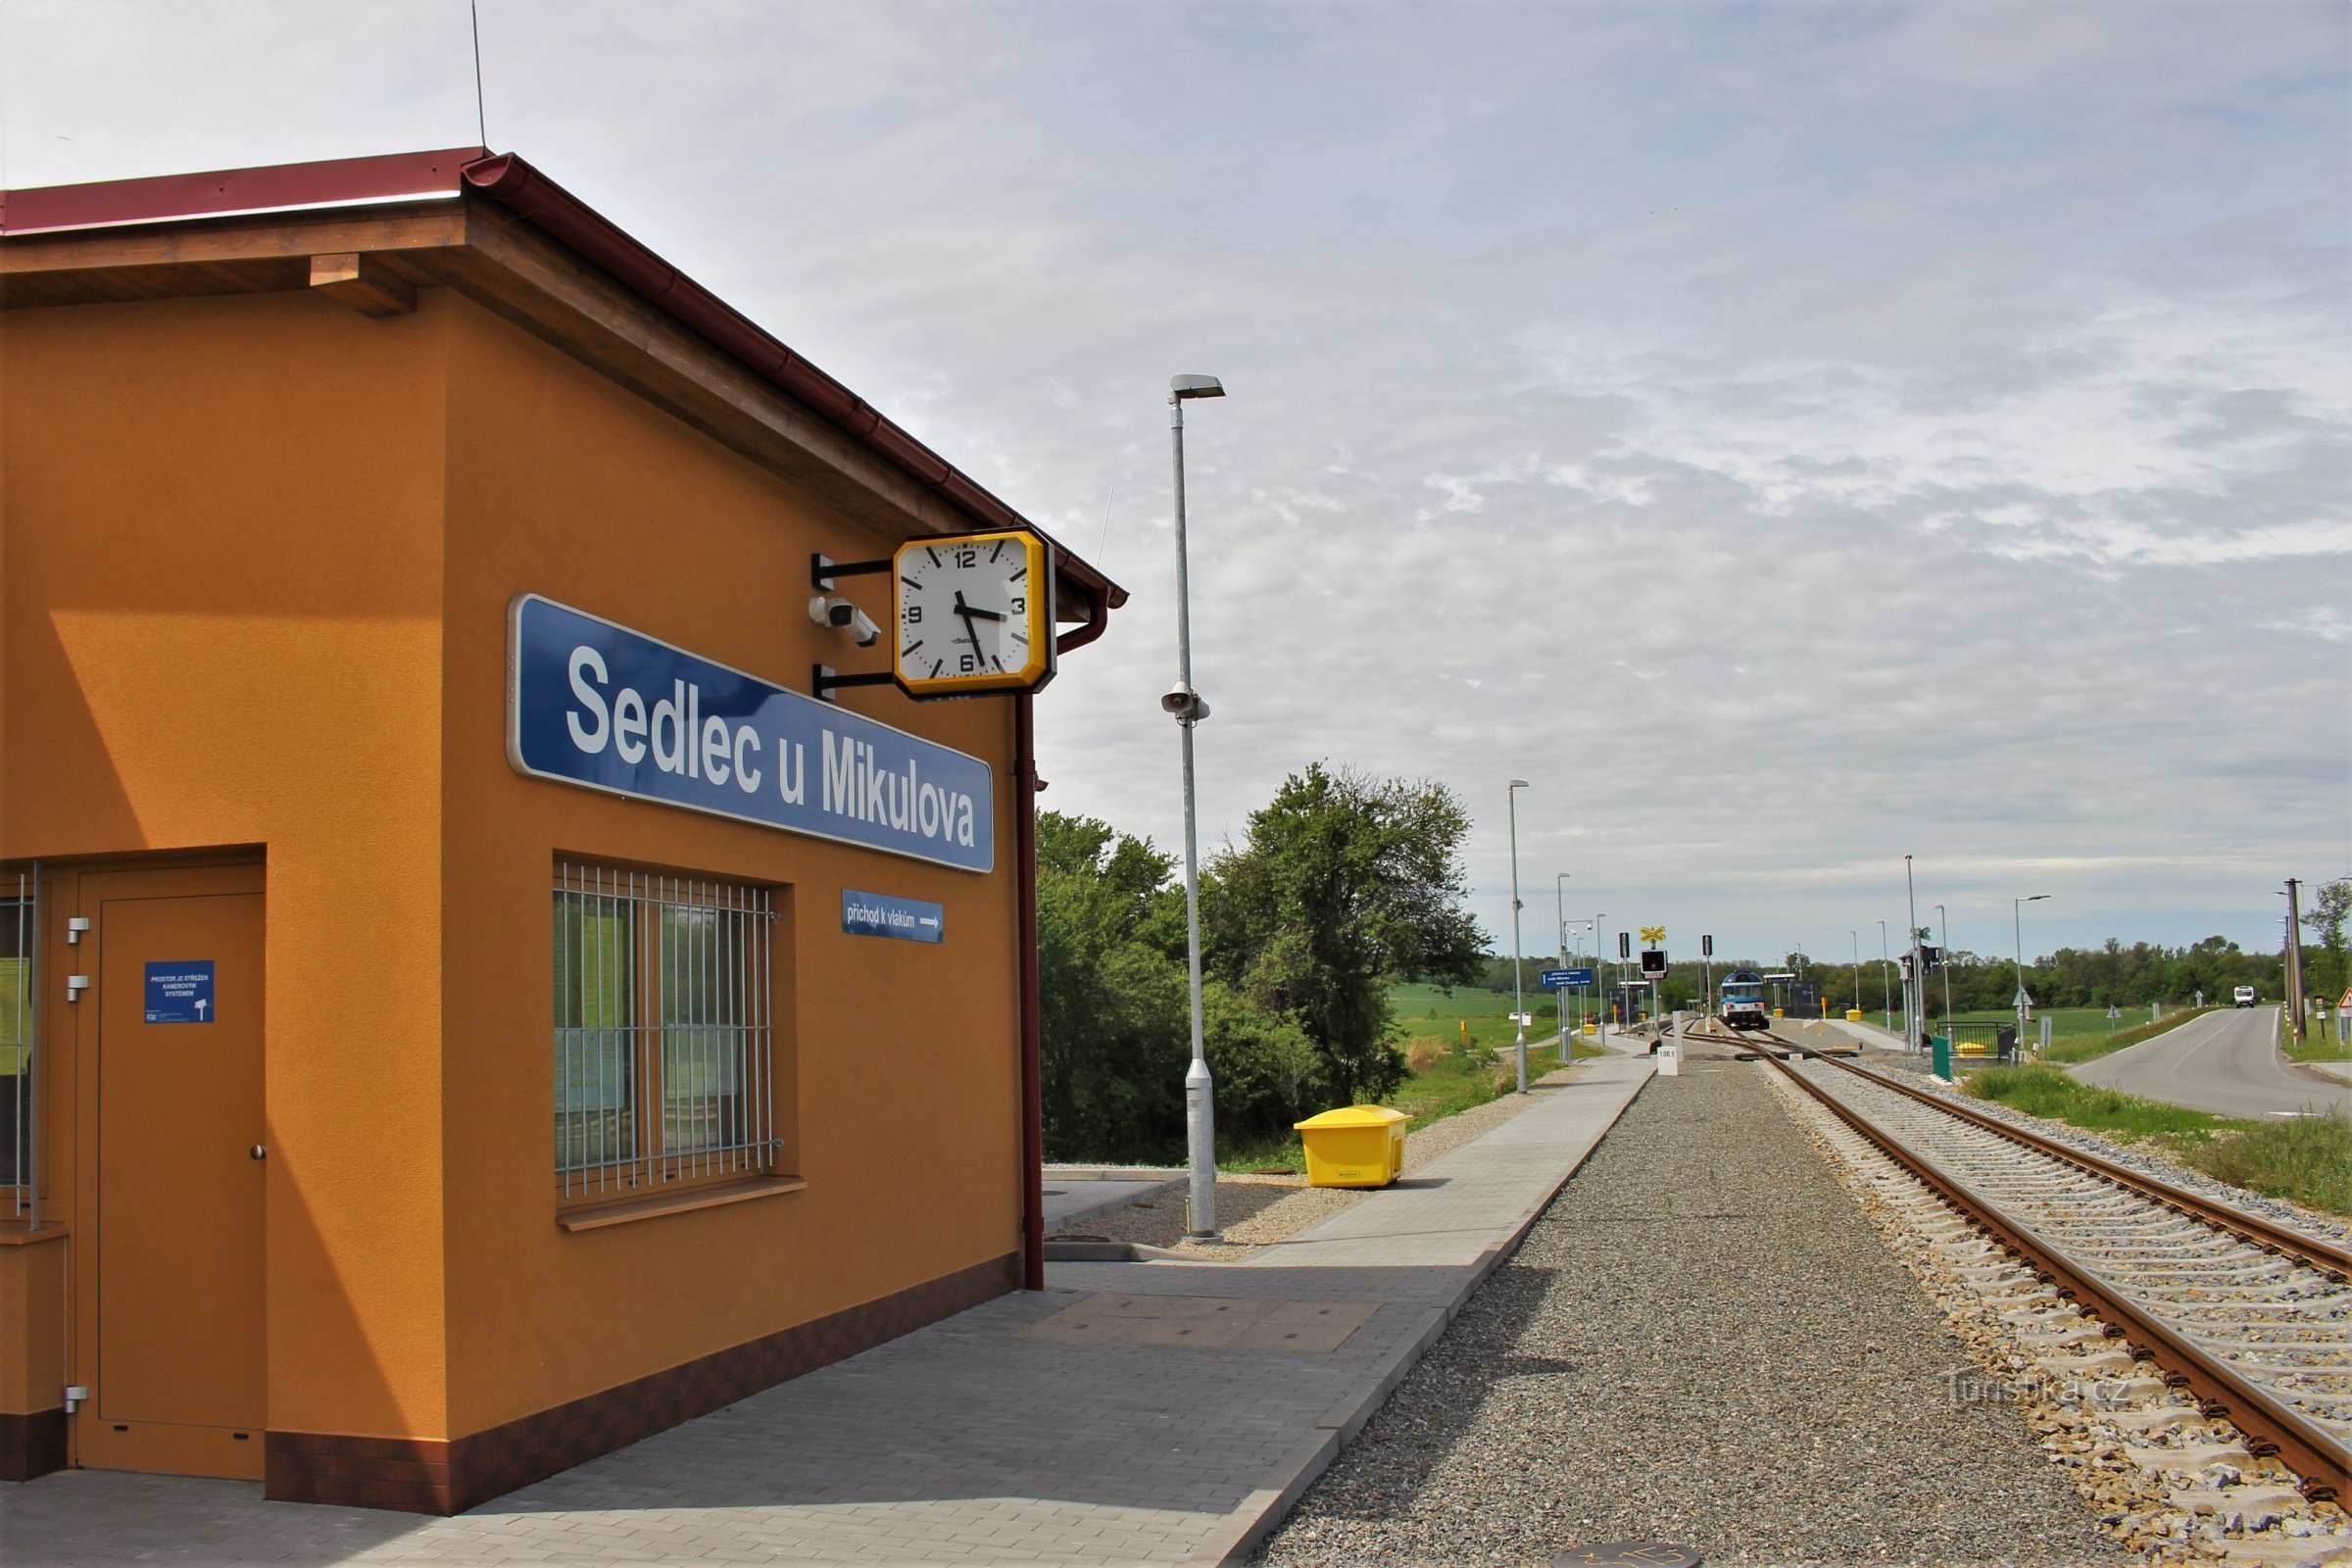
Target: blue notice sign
(597, 704)
(180, 990)
(1565, 979)
(878, 914)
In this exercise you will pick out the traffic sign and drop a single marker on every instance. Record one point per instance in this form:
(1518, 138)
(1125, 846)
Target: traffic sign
(1564, 979)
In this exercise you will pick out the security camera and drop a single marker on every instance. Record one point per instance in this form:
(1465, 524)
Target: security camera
(840, 614)
(1183, 705)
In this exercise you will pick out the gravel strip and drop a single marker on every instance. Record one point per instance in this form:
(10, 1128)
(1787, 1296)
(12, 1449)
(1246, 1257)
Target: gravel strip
(2141, 1157)
(1254, 1212)
(1702, 1343)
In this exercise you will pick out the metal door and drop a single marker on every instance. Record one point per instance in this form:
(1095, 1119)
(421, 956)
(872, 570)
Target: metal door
(176, 1362)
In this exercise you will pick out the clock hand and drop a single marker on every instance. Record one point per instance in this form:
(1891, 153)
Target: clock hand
(971, 632)
(962, 608)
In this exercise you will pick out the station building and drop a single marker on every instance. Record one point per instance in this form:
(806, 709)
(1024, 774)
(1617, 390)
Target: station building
(465, 1002)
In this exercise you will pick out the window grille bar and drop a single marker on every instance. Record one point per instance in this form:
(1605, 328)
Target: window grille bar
(20, 1047)
(663, 1030)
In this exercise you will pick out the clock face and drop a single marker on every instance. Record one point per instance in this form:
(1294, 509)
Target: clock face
(975, 613)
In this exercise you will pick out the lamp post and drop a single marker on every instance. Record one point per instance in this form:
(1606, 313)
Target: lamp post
(1601, 993)
(1518, 988)
(1559, 997)
(1943, 929)
(1185, 705)
(1885, 993)
(2017, 932)
(1856, 936)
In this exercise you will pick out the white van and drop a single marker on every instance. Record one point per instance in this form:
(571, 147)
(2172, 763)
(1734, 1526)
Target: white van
(2245, 995)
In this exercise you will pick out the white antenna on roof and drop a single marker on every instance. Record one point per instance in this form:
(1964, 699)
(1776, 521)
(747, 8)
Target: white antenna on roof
(481, 123)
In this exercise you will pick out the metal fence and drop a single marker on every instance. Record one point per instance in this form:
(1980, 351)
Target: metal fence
(20, 1041)
(1984, 1042)
(664, 1033)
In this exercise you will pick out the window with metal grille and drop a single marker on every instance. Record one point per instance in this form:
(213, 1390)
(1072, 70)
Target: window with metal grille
(19, 925)
(664, 1069)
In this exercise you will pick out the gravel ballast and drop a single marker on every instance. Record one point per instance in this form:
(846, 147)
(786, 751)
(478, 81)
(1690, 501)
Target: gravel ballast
(1700, 1342)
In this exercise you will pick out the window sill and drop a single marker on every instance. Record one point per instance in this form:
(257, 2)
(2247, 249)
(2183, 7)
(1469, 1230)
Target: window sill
(678, 1202)
(48, 1231)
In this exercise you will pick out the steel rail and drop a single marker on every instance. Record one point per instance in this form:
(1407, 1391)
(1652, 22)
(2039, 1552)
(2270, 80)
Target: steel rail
(2223, 1394)
(2312, 1251)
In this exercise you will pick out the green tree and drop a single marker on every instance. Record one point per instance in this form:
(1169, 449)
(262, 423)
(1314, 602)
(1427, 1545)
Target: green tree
(1115, 1018)
(2331, 908)
(1344, 885)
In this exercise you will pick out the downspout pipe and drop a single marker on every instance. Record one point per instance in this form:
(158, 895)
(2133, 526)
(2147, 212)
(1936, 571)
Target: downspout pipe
(1032, 1109)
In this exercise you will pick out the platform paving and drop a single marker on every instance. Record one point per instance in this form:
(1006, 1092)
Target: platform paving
(1131, 1413)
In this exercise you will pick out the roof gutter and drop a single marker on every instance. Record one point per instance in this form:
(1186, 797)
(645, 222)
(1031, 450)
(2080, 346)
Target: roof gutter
(526, 192)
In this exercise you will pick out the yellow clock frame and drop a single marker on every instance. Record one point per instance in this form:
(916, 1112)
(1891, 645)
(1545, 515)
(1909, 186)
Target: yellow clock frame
(982, 571)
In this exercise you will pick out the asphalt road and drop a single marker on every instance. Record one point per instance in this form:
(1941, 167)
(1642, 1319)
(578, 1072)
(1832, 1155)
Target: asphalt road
(2223, 1063)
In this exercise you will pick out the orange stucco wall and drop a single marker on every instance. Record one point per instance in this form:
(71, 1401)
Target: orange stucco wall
(259, 552)
(221, 628)
(905, 1107)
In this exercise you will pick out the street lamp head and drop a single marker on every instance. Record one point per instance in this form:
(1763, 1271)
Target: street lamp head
(1194, 387)
(1520, 784)
(2037, 897)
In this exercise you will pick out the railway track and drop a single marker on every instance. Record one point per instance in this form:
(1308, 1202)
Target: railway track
(2251, 1317)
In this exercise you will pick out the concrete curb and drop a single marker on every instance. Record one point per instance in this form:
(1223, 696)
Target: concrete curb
(1264, 1510)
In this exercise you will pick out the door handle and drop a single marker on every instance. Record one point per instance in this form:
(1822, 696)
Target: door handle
(258, 1152)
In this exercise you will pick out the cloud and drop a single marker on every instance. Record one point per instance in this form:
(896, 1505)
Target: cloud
(1791, 436)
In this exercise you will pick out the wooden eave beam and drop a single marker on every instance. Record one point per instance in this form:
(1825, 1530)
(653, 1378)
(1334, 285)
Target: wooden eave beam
(219, 256)
(362, 281)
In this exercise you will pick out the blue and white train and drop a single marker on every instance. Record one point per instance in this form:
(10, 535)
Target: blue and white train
(1740, 1002)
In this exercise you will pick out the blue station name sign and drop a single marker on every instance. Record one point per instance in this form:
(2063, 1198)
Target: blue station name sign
(597, 704)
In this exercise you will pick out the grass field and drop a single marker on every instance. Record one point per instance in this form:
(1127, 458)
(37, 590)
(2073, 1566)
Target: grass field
(2066, 1024)
(2080, 1034)
(1458, 1053)
(2308, 1160)
(2319, 1045)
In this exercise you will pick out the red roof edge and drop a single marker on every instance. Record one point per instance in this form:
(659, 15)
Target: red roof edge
(237, 192)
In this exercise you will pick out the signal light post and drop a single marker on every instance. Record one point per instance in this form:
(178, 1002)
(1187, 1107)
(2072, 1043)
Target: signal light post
(1911, 964)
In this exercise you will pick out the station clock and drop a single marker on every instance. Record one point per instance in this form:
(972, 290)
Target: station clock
(975, 613)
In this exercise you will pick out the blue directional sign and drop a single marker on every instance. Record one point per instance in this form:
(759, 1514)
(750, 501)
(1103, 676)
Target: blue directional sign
(599, 706)
(878, 914)
(179, 991)
(1565, 979)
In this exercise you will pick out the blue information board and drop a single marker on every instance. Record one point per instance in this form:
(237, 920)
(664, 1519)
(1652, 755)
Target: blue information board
(597, 704)
(179, 991)
(1565, 979)
(878, 914)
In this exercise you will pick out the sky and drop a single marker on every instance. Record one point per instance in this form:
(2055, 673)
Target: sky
(1791, 437)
